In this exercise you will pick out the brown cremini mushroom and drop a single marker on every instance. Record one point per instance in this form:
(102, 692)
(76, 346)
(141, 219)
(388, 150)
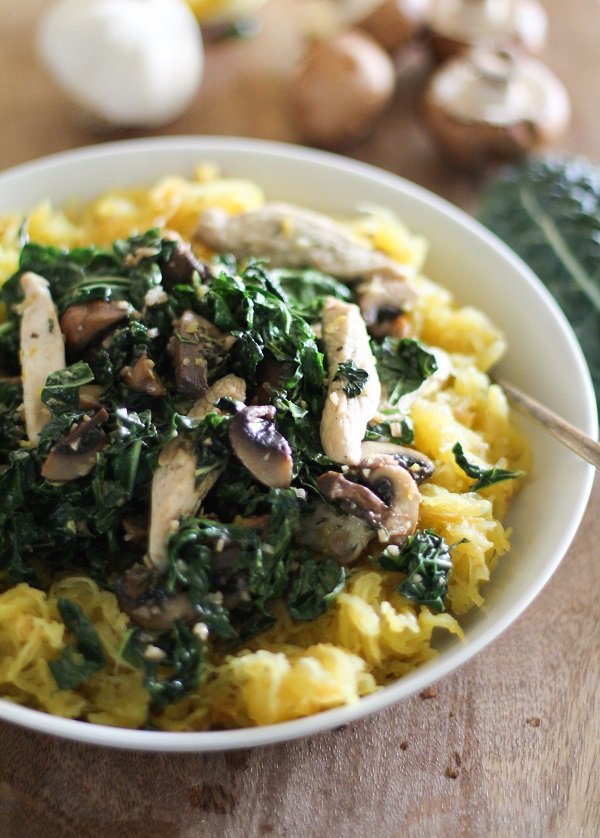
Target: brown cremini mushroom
(393, 23)
(457, 25)
(74, 455)
(382, 302)
(345, 82)
(419, 466)
(196, 344)
(353, 498)
(386, 498)
(142, 378)
(83, 323)
(260, 447)
(181, 266)
(148, 604)
(493, 106)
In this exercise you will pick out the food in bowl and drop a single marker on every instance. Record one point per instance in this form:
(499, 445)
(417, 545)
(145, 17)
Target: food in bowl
(252, 459)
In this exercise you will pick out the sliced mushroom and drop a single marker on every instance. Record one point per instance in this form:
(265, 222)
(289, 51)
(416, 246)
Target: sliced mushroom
(417, 464)
(42, 349)
(396, 487)
(387, 497)
(260, 447)
(181, 266)
(383, 302)
(196, 345)
(83, 323)
(142, 378)
(353, 498)
(175, 492)
(344, 419)
(149, 605)
(292, 237)
(74, 455)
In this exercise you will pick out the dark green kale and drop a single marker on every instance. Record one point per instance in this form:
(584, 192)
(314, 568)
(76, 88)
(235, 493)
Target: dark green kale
(403, 365)
(176, 665)
(403, 432)
(354, 378)
(548, 211)
(483, 477)
(305, 290)
(85, 657)
(61, 393)
(11, 425)
(313, 586)
(426, 561)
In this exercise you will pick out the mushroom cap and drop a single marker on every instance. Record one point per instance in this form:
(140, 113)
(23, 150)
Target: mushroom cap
(457, 25)
(491, 105)
(82, 323)
(142, 378)
(393, 23)
(395, 485)
(417, 464)
(74, 455)
(260, 447)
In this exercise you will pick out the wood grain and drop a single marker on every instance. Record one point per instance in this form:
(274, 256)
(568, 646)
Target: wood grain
(508, 745)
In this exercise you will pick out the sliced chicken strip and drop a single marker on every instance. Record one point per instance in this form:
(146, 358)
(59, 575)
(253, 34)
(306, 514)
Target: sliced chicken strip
(344, 419)
(292, 237)
(174, 489)
(42, 349)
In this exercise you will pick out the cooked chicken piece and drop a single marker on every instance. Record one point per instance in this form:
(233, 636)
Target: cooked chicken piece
(174, 489)
(344, 419)
(42, 349)
(291, 237)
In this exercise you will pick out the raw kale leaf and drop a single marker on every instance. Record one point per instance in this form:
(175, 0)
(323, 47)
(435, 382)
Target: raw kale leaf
(403, 365)
(85, 657)
(483, 477)
(548, 211)
(354, 378)
(426, 561)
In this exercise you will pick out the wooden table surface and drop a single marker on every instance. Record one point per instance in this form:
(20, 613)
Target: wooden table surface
(509, 744)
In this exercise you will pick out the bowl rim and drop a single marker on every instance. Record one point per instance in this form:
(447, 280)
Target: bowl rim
(453, 658)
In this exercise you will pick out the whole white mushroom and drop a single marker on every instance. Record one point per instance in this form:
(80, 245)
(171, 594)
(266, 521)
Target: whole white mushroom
(132, 63)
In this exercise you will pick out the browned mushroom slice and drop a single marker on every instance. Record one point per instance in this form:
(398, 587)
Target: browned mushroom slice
(353, 498)
(74, 455)
(149, 605)
(261, 448)
(196, 344)
(142, 378)
(395, 486)
(419, 465)
(42, 349)
(82, 323)
(181, 266)
(387, 498)
(382, 304)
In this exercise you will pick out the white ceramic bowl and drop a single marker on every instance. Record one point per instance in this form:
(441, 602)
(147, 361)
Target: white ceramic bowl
(544, 359)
